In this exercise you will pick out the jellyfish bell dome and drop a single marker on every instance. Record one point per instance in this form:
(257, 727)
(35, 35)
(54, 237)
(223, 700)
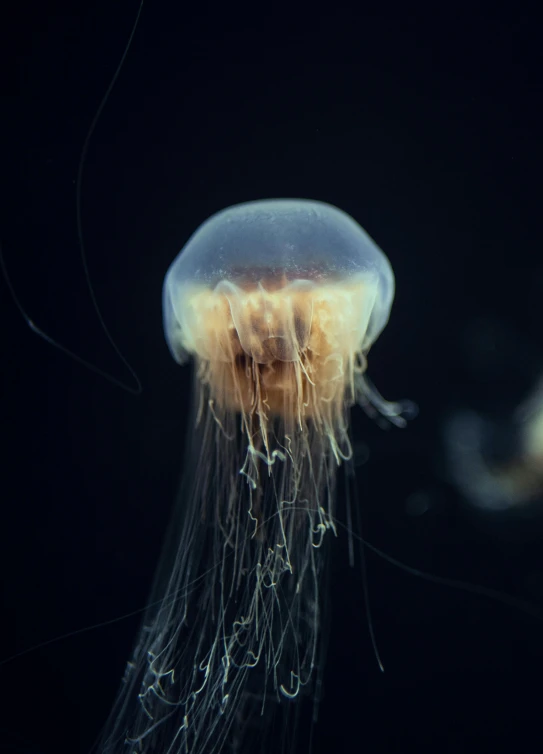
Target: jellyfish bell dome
(276, 256)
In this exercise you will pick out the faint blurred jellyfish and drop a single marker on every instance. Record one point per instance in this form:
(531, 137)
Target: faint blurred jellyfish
(278, 303)
(492, 474)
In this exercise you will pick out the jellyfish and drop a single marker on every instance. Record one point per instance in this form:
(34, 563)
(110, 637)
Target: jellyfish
(277, 304)
(498, 482)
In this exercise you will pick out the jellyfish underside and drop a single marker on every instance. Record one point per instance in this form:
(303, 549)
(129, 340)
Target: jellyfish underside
(279, 347)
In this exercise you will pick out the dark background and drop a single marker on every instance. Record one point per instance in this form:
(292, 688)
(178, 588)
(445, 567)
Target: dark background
(427, 131)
